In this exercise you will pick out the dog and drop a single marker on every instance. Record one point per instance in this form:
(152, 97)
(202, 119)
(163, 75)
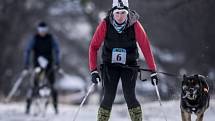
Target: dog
(194, 97)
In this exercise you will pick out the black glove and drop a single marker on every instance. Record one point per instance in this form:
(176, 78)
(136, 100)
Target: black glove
(154, 78)
(95, 78)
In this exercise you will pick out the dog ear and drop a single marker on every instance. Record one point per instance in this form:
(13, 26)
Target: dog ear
(196, 76)
(201, 77)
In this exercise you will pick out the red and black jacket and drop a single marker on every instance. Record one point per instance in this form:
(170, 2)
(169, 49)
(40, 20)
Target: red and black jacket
(133, 33)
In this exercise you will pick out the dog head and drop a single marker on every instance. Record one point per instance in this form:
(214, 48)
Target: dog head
(191, 87)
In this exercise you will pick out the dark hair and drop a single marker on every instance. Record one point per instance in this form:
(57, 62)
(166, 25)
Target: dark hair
(42, 24)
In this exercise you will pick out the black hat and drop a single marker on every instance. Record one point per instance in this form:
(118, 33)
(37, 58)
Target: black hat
(42, 24)
(120, 4)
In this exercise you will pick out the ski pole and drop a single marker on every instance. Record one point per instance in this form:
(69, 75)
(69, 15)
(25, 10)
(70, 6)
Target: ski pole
(159, 99)
(82, 102)
(16, 86)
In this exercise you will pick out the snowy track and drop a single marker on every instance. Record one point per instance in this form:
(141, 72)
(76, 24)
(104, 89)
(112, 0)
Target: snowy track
(15, 112)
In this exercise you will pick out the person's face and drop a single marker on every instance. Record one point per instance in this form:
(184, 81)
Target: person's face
(120, 16)
(42, 33)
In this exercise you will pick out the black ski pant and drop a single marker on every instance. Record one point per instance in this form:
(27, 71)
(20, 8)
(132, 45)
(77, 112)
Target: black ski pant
(111, 75)
(50, 75)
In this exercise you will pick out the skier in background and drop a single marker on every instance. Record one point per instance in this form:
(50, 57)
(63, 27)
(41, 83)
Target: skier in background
(43, 44)
(119, 32)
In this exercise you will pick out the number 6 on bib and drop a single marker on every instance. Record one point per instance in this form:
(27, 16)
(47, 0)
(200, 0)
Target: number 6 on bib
(119, 55)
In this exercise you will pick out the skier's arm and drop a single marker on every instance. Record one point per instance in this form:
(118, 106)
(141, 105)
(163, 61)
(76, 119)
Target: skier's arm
(95, 44)
(56, 51)
(144, 44)
(27, 52)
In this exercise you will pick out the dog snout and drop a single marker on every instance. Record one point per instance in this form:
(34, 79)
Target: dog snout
(191, 90)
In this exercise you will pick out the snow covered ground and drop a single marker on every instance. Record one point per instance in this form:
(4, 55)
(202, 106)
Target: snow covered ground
(152, 112)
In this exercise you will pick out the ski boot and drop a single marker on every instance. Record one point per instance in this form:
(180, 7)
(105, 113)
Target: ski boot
(103, 114)
(135, 113)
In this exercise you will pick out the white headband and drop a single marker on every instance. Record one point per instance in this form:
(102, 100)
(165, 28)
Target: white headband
(42, 29)
(120, 10)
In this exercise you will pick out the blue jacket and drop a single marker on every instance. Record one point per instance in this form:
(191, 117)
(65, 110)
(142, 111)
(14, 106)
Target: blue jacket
(46, 46)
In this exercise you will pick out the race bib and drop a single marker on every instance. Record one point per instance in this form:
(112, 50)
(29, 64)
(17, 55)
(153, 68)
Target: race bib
(119, 55)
